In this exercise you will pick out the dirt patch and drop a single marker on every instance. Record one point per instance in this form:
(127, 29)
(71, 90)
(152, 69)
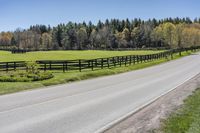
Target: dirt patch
(148, 120)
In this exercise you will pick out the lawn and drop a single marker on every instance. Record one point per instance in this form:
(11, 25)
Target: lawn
(187, 118)
(6, 56)
(60, 77)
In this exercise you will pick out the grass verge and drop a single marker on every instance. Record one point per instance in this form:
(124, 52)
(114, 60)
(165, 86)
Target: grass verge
(187, 118)
(60, 77)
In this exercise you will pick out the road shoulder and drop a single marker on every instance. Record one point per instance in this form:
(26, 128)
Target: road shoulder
(149, 118)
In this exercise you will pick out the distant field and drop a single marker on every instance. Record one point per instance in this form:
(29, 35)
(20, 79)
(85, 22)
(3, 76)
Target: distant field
(68, 55)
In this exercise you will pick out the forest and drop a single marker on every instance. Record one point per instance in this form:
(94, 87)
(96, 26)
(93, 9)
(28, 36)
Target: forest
(111, 34)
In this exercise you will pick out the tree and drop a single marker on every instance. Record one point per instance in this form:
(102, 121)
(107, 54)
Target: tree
(72, 38)
(92, 39)
(46, 41)
(169, 33)
(126, 34)
(146, 30)
(179, 35)
(121, 43)
(5, 39)
(114, 33)
(126, 37)
(57, 36)
(13, 42)
(157, 37)
(82, 38)
(135, 36)
(165, 33)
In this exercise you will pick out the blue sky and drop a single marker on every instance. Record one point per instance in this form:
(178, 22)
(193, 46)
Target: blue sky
(23, 13)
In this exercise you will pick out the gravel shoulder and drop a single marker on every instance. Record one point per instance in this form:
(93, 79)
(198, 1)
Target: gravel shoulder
(149, 119)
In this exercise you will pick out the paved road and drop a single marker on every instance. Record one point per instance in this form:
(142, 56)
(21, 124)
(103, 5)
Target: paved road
(87, 106)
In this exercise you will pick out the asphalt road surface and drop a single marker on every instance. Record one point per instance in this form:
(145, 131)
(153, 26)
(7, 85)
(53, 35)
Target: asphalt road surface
(91, 105)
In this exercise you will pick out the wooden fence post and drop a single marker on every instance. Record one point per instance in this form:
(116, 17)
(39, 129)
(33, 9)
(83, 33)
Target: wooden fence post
(102, 63)
(130, 60)
(6, 66)
(108, 63)
(79, 63)
(63, 66)
(149, 58)
(114, 61)
(45, 66)
(50, 65)
(120, 61)
(92, 65)
(95, 62)
(14, 66)
(171, 54)
(126, 60)
(66, 66)
(117, 60)
(134, 59)
(137, 59)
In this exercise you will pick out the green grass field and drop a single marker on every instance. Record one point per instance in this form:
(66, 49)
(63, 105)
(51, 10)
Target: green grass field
(67, 55)
(70, 76)
(187, 118)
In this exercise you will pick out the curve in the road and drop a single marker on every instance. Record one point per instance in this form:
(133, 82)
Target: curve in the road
(91, 105)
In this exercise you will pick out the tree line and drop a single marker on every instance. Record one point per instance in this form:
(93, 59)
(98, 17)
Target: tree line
(111, 34)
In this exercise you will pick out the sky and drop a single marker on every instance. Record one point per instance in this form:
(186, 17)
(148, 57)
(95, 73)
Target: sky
(23, 13)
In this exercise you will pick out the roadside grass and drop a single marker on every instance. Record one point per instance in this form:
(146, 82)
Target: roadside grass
(187, 118)
(71, 76)
(6, 56)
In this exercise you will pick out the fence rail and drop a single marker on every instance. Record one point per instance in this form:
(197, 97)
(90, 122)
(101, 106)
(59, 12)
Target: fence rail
(99, 63)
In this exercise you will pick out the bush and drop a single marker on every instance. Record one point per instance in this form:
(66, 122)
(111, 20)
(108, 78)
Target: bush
(25, 76)
(42, 76)
(32, 68)
(32, 74)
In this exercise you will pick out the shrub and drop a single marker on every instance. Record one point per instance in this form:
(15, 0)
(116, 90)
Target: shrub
(25, 77)
(32, 68)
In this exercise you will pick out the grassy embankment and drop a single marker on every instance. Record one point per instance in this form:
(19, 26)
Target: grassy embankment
(60, 77)
(187, 118)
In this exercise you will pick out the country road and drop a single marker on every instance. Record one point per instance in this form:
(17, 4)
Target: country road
(90, 106)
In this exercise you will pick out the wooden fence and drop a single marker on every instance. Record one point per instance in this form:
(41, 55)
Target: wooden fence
(99, 63)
